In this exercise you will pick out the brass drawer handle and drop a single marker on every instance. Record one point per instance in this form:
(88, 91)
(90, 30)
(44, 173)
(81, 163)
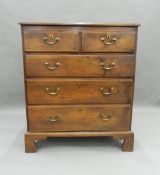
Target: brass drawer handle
(51, 40)
(105, 67)
(51, 67)
(106, 117)
(108, 40)
(52, 119)
(107, 91)
(52, 91)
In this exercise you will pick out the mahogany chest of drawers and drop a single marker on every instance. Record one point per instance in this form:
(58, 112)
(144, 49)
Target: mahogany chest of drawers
(79, 81)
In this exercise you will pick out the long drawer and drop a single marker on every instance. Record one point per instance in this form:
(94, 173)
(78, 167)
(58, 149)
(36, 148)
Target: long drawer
(78, 91)
(111, 65)
(79, 118)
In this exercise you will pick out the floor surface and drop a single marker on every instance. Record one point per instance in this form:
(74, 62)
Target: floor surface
(94, 156)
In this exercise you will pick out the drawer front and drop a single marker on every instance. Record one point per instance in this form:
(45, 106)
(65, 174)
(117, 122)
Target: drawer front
(78, 91)
(79, 118)
(112, 41)
(48, 39)
(80, 66)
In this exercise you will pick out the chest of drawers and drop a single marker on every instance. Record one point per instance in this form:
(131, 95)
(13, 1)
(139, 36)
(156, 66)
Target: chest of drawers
(79, 81)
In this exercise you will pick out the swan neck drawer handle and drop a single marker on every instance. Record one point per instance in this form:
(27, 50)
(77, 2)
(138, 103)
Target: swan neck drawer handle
(108, 40)
(105, 67)
(106, 117)
(51, 67)
(52, 119)
(51, 40)
(108, 91)
(52, 91)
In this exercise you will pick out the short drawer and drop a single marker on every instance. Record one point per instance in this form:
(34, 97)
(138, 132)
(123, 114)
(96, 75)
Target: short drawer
(78, 91)
(109, 41)
(50, 39)
(111, 65)
(79, 118)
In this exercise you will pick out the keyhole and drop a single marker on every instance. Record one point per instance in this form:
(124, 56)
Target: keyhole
(51, 36)
(108, 36)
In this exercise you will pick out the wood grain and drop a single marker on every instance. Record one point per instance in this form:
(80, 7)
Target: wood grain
(79, 65)
(79, 118)
(79, 104)
(91, 41)
(78, 91)
(33, 40)
(32, 138)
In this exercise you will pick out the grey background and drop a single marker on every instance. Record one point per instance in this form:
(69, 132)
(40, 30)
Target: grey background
(145, 12)
(80, 156)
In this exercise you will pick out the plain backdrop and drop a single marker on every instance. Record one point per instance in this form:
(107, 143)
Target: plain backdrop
(80, 156)
(145, 12)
